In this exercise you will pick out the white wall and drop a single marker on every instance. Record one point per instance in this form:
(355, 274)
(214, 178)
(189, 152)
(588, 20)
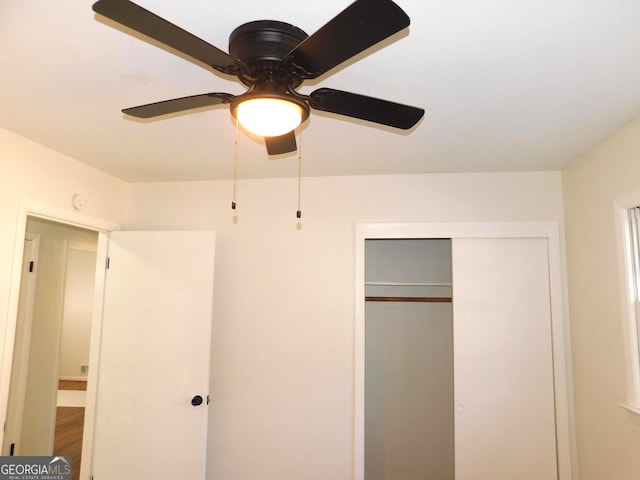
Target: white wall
(283, 347)
(608, 437)
(33, 172)
(79, 283)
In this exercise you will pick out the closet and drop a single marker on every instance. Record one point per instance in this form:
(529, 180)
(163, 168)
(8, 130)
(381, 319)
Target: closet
(458, 360)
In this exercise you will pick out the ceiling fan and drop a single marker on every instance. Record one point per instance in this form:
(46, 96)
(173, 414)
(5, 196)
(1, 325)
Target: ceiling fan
(272, 59)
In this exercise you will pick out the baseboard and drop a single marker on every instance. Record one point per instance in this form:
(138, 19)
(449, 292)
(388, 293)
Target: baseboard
(71, 378)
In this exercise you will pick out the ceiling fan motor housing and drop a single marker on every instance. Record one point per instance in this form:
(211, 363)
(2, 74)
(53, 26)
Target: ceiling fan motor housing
(261, 46)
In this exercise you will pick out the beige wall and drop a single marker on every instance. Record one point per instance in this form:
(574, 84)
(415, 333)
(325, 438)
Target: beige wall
(283, 347)
(77, 310)
(284, 300)
(608, 437)
(31, 172)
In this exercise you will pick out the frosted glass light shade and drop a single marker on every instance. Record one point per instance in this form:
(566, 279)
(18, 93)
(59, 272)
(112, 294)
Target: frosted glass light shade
(269, 117)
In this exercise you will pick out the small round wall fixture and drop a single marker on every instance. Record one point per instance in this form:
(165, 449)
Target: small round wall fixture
(78, 201)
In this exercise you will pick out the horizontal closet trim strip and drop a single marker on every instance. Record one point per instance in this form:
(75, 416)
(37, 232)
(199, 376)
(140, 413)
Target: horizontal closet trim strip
(411, 284)
(409, 299)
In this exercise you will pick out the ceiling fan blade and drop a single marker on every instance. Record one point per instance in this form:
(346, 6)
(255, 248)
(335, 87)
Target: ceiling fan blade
(365, 108)
(143, 21)
(283, 144)
(360, 26)
(178, 105)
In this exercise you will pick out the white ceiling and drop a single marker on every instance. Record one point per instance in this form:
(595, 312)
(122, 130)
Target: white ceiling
(507, 86)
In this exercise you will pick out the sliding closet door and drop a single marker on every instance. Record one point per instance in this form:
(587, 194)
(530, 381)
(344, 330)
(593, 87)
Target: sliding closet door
(504, 396)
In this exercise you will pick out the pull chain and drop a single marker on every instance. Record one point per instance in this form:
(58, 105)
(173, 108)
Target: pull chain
(299, 211)
(235, 167)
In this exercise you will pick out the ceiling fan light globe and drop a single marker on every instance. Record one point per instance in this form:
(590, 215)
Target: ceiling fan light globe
(269, 117)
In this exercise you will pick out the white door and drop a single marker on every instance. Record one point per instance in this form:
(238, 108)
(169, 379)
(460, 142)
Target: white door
(15, 408)
(504, 396)
(154, 357)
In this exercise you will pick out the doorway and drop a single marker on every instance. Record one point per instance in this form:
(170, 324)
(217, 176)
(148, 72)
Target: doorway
(52, 341)
(178, 270)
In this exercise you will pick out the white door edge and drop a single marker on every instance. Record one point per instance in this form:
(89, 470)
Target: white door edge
(88, 434)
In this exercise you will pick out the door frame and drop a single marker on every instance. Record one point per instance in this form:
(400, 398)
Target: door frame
(29, 208)
(565, 437)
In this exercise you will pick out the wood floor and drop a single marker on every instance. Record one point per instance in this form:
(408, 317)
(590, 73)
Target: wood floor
(69, 425)
(72, 385)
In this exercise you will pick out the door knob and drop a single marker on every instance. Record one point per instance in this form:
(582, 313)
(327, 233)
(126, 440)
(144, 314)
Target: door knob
(197, 400)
